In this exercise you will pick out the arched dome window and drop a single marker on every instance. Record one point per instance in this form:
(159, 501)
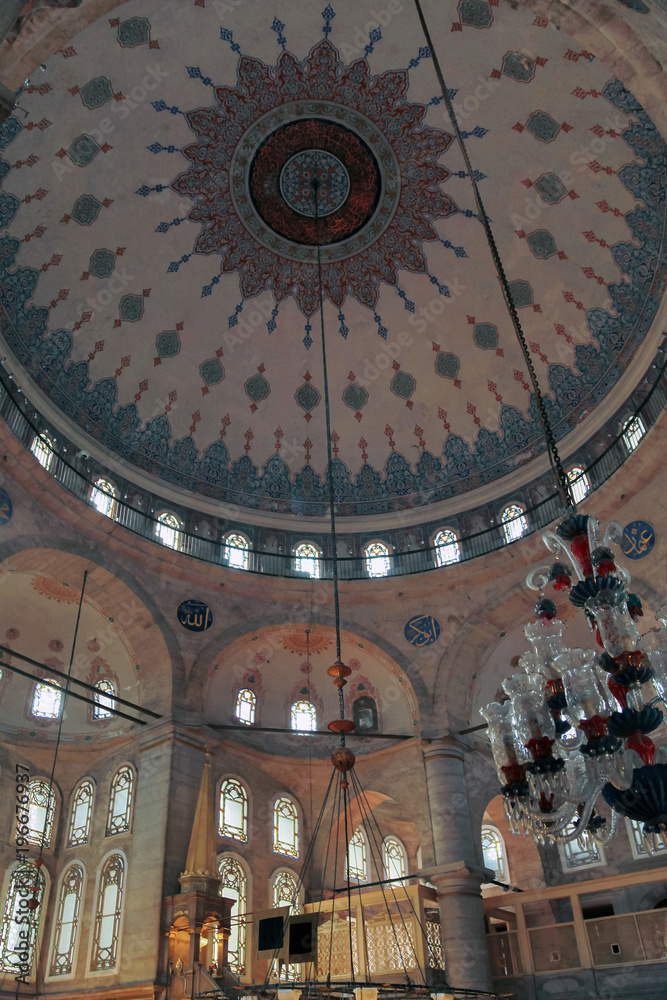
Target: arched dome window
(447, 547)
(246, 704)
(513, 519)
(307, 560)
(236, 551)
(41, 809)
(633, 430)
(168, 529)
(42, 447)
(66, 928)
(365, 714)
(103, 497)
(233, 814)
(46, 700)
(105, 699)
(580, 484)
(108, 914)
(377, 559)
(81, 814)
(285, 828)
(234, 885)
(303, 717)
(120, 801)
(394, 859)
(356, 866)
(495, 855)
(17, 951)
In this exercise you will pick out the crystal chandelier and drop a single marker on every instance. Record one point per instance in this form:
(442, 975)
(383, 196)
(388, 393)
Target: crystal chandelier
(576, 724)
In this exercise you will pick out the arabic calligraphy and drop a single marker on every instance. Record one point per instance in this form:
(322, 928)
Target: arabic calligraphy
(6, 509)
(195, 616)
(638, 539)
(422, 630)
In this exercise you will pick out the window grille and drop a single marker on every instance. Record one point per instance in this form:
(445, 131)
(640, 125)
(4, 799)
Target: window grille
(168, 530)
(447, 547)
(633, 430)
(377, 559)
(236, 551)
(580, 853)
(120, 802)
(356, 866)
(394, 859)
(66, 927)
(580, 484)
(46, 701)
(17, 952)
(233, 815)
(35, 824)
(303, 717)
(82, 810)
(103, 497)
(108, 913)
(42, 449)
(234, 884)
(105, 691)
(246, 704)
(307, 560)
(285, 891)
(493, 850)
(514, 522)
(285, 828)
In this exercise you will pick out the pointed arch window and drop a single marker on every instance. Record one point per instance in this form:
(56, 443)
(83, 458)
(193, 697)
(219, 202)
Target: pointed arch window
(307, 560)
(285, 891)
(303, 717)
(234, 884)
(46, 700)
(447, 547)
(493, 851)
(514, 522)
(35, 825)
(105, 699)
(42, 448)
(285, 828)
(82, 811)
(17, 951)
(394, 859)
(233, 815)
(246, 704)
(103, 497)
(66, 929)
(633, 430)
(168, 529)
(377, 559)
(236, 551)
(356, 866)
(580, 484)
(120, 801)
(108, 914)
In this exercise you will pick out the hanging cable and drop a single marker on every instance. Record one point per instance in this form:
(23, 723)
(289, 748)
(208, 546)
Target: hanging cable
(560, 477)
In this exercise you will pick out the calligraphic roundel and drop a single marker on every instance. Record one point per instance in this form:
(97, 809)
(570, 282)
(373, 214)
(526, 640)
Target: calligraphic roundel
(422, 630)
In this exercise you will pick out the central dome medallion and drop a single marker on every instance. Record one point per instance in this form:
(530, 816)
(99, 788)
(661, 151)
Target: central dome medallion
(299, 176)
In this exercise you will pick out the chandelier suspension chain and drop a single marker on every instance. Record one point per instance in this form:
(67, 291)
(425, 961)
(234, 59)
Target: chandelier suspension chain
(560, 477)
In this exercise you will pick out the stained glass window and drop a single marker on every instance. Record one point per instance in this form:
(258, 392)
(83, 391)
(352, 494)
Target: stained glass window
(285, 828)
(285, 891)
(246, 702)
(234, 884)
(303, 717)
(105, 691)
(36, 822)
(46, 701)
(580, 484)
(18, 932)
(633, 430)
(493, 850)
(66, 927)
(168, 530)
(236, 551)
(42, 449)
(639, 849)
(514, 522)
(355, 864)
(103, 497)
(120, 801)
(108, 913)
(395, 865)
(377, 559)
(233, 816)
(82, 810)
(307, 559)
(447, 548)
(582, 852)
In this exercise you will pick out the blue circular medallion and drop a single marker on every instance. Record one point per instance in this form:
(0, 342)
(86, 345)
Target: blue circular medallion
(195, 616)
(6, 509)
(422, 630)
(298, 174)
(638, 539)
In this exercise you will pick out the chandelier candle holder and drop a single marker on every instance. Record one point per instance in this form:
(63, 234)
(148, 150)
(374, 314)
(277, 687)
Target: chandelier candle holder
(577, 723)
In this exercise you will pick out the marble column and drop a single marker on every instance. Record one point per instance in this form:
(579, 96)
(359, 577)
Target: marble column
(457, 874)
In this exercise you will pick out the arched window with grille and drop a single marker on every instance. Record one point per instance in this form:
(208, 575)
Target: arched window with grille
(234, 884)
(81, 814)
(108, 914)
(447, 547)
(377, 559)
(513, 519)
(285, 828)
(246, 705)
(394, 859)
(580, 484)
(169, 529)
(633, 430)
(18, 936)
(307, 559)
(66, 927)
(236, 551)
(582, 852)
(494, 853)
(120, 801)
(356, 865)
(42, 448)
(105, 699)
(284, 891)
(233, 812)
(303, 717)
(34, 824)
(103, 497)
(47, 699)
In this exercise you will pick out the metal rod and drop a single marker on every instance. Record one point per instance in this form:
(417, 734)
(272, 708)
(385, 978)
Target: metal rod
(310, 732)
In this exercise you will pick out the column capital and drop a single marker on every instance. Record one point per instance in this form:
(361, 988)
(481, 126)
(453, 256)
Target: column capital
(458, 878)
(444, 746)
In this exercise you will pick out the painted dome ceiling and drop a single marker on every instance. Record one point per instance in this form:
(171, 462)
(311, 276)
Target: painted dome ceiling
(159, 264)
